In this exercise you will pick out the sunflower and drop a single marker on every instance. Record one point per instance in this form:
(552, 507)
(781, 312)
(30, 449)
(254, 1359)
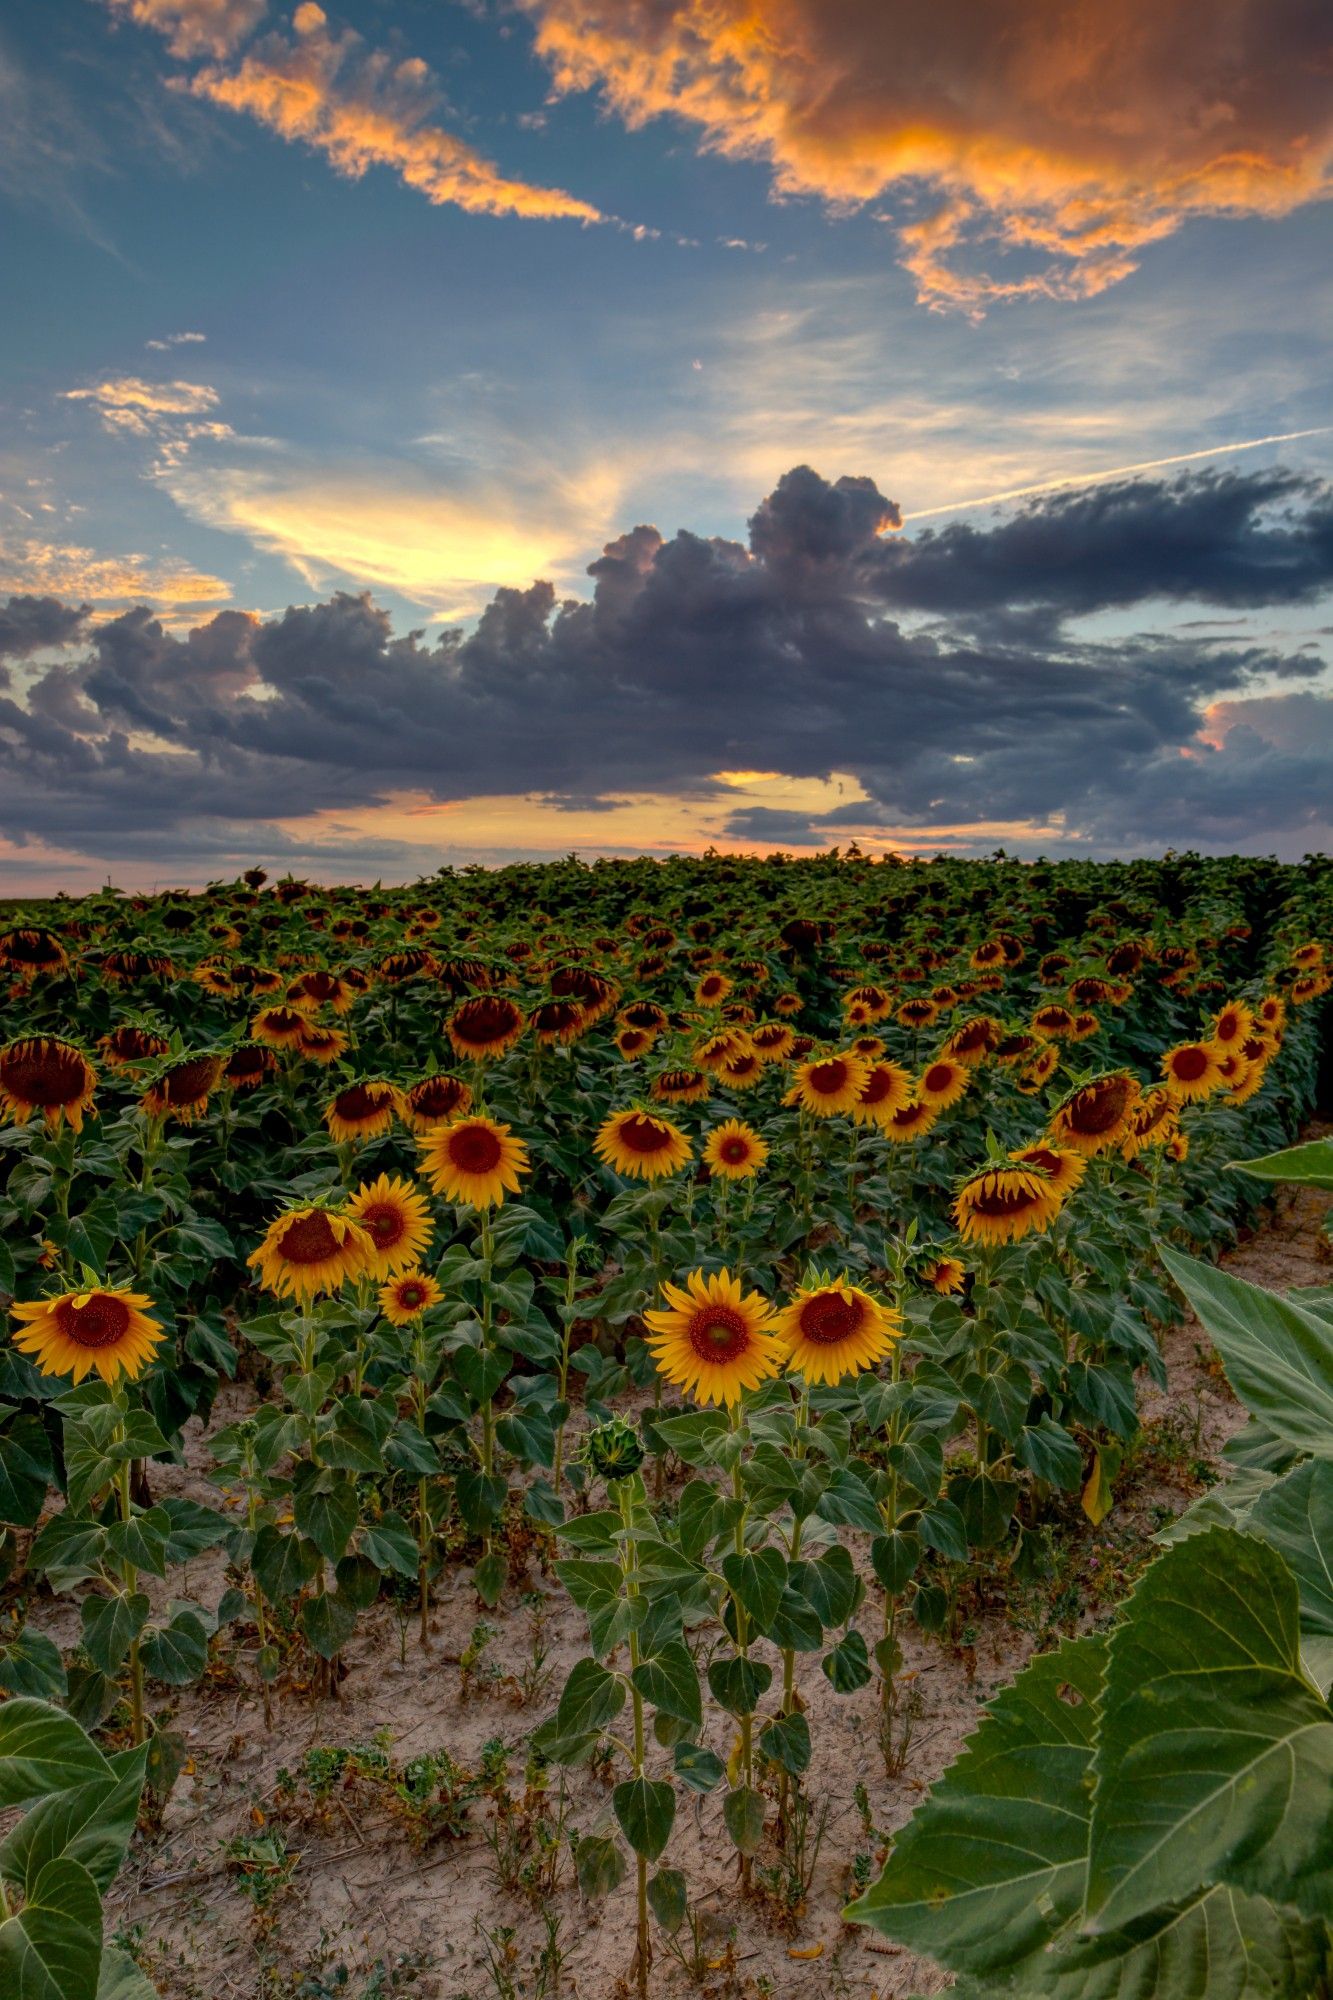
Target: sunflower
(771, 1040)
(363, 1110)
(310, 1250)
(1192, 1070)
(1084, 1028)
(215, 979)
(942, 1083)
(1272, 1011)
(596, 994)
(908, 1122)
(869, 1046)
(1177, 1146)
(829, 1084)
(487, 1025)
(873, 999)
(43, 1073)
(712, 989)
(638, 1143)
(247, 1066)
(945, 1275)
(322, 1045)
(183, 1088)
(280, 1027)
(713, 1340)
(634, 1042)
(716, 1050)
(1250, 1082)
(788, 1003)
(434, 1100)
(1231, 1025)
(832, 1329)
(397, 966)
(1053, 1019)
(887, 1089)
(129, 1046)
(734, 1151)
(396, 1217)
(1154, 1119)
(917, 1014)
(104, 1329)
(1063, 1167)
(320, 988)
(1002, 1204)
(1095, 1117)
(679, 1086)
(1015, 1047)
(474, 1161)
(407, 1296)
(987, 954)
(974, 1040)
(1310, 986)
(644, 1014)
(742, 1071)
(1033, 1077)
(32, 950)
(1308, 955)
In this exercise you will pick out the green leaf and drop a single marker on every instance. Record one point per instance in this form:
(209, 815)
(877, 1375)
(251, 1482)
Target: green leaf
(991, 1867)
(786, 1740)
(528, 1434)
(26, 1469)
(668, 1899)
(388, 1543)
(738, 1684)
(1295, 1516)
(481, 1499)
(848, 1502)
(328, 1622)
(325, 1511)
(1049, 1453)
(482, 1372)
(110, 1624)
(91, 1824)
(1278, 1356)
(1225, 1946)
(894, 1559)
(591, 1531)
(1310, 1165)
(53, 1949)
(698, 1768)
(830, 1584)
(646, 1811)
(489, 1577)
(43, 1750)
(1215, 1755)
(943, 1529)
(592, 1697)
(121, 1979)
(142, 1540)
(30, 1663)
(670, 1681)
(986, 1505)
(743, 1816)
(796, 1625)
(177, 1653)
(600, 1865)
(848, 1665)
(282, 1564)
(756, 1581)
(192, 1529)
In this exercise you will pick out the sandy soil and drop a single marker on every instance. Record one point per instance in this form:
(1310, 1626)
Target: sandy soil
(359, 1894)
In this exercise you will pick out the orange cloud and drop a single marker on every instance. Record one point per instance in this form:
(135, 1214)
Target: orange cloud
(125, 402)
(195, 27)
(363, 108)
(1073, 133)
(79, 574)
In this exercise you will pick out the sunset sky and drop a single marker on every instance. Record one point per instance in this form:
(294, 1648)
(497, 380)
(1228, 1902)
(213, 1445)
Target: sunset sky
(439, 431)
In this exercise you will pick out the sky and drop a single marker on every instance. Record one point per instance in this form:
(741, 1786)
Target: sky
(451, 431)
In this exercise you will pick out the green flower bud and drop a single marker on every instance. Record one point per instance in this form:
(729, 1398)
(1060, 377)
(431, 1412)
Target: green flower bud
(614, 1449)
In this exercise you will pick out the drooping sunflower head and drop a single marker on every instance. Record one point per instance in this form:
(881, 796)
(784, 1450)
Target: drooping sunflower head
(1192, 1070)
(474, 1161)
(1015, 1046)
(1084, 1028)
(887, 1089)
(247, 1066)
(594, 991)
(215, 978)
(832, 1329)
(771, 1040)
(644, 1014)
(945, 1275)
(734, 1151)
(105, 1330)
(1062, 1166)
(713, 1340)
(363, 1110)
(1155, 1117)
(182, 1088)
(396, 1218)
(1096, 1115)
(280, 1027)
(434, 1100)
(869, 1046)
(488, 1026)
(788, 1004)
(311, 1249)
(1004, 1204)
(742, 1071)
(974, 1040)
(1309, 986)
(641, 1144)
(679, 1086)
(716, 1050)
(1177, 1146)
(1053, 1019)
(407, 1296)
(942, 1082)
(634, 1042)
(320, 988)
(130, 1046)
(324, 1046)
(43, 1073)
(829, 1085)
(1308, 955)
(712, 989)
(1034, 1075)
(918, 1013)
(557, 1021)
(986, 954)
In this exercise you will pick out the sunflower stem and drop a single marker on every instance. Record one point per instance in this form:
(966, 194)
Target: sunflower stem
(130, 1578)
(629, 1569)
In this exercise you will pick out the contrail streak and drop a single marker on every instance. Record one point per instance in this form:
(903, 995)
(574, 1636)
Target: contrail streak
(1114, 472)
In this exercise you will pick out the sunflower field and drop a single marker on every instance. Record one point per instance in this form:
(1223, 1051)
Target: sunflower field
(667, 1427)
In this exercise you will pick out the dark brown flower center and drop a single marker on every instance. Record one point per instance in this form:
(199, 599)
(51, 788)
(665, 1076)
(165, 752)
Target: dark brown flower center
(475, 1149)
(734, 1150)
(938, 1077)
(879, 1085)
(386, 1222)
(45, 1073)
(189, 1081)
(436, 1096)
(643, 1135)
(1000, 1199)
(1100, 1107)
(826, 1079)
(411, 1295)
(828, 1317)
(101, 1322)
(719, 1333)
(308, 1240)
(360, 1102)
(1190, 1064)
(486, 1020)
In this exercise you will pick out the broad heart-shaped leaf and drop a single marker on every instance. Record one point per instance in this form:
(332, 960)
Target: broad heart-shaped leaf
(848, 1665)
(30, 1663)
(177, 1653)
(91, 1824)
(109, 1625)
(786, 1739)
(328, 1622)
(1224, 1946)
(592, 1697)
(43, 1750)
(756, 1582)
(1215, 1755)
(121, 1979)
(1295, 1516)
(697, 1767)
(990, 1868)
(646, 1811)
(743, 1816)
(830, 1584)
(325, 1510)
(1310, 1165)
(53, 1949)
(737, 1684)
(282, 1564)
(670, 1681)
(1278, 1357)
(25, 1469)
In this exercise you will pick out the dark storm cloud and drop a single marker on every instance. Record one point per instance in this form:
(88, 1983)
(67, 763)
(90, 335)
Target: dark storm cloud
(30, 625)
(697, 654)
